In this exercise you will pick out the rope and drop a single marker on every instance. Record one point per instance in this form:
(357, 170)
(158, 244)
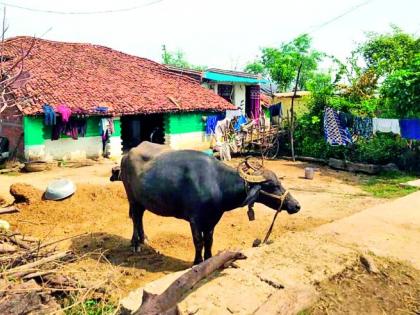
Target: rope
(267, 235)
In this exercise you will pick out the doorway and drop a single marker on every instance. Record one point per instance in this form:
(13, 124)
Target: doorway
(138, 128)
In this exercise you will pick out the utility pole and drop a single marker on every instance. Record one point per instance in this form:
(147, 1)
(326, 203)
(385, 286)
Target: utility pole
(292, 120)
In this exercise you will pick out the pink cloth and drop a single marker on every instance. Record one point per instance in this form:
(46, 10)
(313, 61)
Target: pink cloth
(64, 111)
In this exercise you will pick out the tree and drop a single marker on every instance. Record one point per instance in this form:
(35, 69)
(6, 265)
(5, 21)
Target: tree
(401, 90)
(178, 59)
(380, 56)
(281, 64)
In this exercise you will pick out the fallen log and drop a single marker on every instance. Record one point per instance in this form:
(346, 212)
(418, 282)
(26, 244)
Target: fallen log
(7, 248)
(25, 269)
(166, 303)
(288, 301)
(11, 209)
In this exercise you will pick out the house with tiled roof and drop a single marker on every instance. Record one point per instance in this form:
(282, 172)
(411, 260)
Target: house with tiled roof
(142, 99)
(234, 86)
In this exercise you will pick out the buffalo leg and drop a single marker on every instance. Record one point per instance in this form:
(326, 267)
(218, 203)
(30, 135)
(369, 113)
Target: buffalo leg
(137, 211)
(208, 242)
(198, 243)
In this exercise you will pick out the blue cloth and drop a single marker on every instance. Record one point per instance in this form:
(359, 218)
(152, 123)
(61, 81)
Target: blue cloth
(410, 128)
(276, 110)
(335, 133)
(101, 109)
(50, 117)
(241, 120)
(211, 124)
(363, 127)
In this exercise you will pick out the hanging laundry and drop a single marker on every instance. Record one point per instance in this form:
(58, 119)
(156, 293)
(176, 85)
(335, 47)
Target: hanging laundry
(50, 118)
(386, 125)
(58, 129)
(335, 133)
(71, 129)
(101, 109)
(233, 113)
(346, 119)
(64, 111)
(221, 129)
(410, 129)
(255, 102)
(363, 127)
(276, 110)
(211, 123)
(239, 122)
(81, 124)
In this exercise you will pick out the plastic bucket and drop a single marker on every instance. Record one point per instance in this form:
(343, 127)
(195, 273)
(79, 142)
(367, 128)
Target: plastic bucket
(309, 173)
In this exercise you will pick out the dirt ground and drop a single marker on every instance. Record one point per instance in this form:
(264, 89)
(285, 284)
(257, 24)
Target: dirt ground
(394, 290)
(100, 210)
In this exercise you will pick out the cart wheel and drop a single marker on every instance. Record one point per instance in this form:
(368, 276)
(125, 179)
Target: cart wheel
(272, 151)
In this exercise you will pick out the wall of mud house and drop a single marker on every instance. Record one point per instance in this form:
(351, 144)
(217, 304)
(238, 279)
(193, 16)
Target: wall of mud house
(38, 143)
(11, 128)
(186, 131)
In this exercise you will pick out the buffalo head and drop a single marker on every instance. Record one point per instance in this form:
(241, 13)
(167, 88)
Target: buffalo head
(266, 188)
(116, 174)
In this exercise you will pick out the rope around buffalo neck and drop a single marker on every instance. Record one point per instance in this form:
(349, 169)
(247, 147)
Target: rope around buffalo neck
(282, 198)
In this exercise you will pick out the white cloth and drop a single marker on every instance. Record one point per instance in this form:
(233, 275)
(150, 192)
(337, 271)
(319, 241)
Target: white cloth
(386, 125)
(221, 128)
(233, 113)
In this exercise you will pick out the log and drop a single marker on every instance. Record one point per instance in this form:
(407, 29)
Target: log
(7, 248)
(166, 303)
(288, 301)
(11, 209)
(23, 270)
(18, 242)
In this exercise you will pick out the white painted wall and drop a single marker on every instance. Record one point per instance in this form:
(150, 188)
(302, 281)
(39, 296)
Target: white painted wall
(69, 149)
(191, 140)
(239, 96)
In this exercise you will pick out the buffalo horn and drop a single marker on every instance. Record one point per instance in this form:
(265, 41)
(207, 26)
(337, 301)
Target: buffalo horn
(251, 178)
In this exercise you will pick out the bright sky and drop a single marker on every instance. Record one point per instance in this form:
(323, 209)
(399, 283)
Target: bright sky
(217, 33)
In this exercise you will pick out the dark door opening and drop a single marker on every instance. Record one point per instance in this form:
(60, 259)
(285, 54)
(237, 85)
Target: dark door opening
(138, 128)
(248, 109)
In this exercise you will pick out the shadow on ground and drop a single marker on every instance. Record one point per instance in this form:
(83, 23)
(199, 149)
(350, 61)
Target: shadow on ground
(117, 251)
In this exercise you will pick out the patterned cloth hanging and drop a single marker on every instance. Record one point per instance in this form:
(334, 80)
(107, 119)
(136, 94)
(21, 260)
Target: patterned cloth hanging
(363, 127)
(335, 133)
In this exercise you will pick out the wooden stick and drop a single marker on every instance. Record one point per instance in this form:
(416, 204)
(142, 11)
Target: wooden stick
(28, 268)
(292, 123)
(11, 209)
(60, 240)
(7, 248)
(166, 303)
(37, 274)
(15, 241)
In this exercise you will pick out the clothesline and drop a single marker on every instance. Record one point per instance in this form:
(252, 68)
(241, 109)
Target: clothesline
(341, 127)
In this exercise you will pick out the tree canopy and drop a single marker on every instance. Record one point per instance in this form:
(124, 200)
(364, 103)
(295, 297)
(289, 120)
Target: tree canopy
(178, 59)
(281, 64)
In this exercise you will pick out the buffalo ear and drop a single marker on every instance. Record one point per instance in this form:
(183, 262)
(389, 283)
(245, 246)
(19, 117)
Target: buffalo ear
(252, 195)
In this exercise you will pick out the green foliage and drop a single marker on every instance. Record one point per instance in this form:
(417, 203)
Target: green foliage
(401, 90)
(386, 53)
(387, 185)
(255, 67)
(91, 307)
(282, 63)
(178, 59)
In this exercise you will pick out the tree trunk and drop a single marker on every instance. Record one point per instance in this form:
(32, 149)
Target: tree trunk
(166, 303)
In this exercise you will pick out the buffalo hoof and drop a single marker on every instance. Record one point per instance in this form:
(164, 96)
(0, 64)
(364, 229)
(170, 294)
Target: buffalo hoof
(197, 261)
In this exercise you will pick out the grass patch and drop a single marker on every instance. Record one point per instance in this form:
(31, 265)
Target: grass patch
(388, 185)
(90, 307)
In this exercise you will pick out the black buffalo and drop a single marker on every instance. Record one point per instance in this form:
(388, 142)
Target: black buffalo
(193, 186)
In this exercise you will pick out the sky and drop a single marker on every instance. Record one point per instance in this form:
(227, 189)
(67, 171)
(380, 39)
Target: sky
(218, 33)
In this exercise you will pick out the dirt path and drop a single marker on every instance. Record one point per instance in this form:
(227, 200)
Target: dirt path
(325, 257)
(100, 209)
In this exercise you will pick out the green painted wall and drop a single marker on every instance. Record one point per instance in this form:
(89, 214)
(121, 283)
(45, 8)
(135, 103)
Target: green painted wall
(184, 123)
(35, 132)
